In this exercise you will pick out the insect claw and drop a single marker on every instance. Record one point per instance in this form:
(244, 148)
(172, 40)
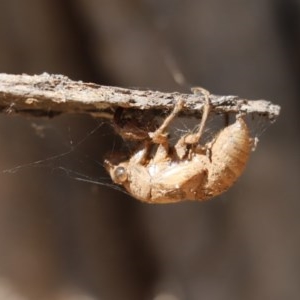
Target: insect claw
(197, 90)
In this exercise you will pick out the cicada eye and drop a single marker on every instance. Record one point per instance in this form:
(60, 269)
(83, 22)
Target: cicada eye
(120, 174)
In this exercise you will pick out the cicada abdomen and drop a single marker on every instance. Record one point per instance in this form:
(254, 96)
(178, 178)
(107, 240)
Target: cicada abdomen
(229, 155)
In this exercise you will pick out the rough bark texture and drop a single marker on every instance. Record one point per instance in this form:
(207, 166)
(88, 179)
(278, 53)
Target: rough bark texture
(48, 95)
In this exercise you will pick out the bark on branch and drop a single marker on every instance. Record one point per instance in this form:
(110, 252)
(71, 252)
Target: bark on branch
(49, 95)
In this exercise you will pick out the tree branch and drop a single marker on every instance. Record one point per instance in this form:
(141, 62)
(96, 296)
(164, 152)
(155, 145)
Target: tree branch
(50, 95)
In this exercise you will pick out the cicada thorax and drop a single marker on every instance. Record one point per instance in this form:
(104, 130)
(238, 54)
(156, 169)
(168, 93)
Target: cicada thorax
(230, 152)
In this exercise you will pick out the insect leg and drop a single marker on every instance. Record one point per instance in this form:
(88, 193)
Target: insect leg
(195, 137)
(181, 146)
(159, 136)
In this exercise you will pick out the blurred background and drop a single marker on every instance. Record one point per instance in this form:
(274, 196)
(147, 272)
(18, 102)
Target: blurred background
(65, 239)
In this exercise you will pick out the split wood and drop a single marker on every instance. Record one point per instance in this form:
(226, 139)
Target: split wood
(50, 95)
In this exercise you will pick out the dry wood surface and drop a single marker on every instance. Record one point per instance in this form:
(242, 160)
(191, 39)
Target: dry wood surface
(50, 95)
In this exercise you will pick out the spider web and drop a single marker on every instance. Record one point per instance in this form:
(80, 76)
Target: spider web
(78, 162)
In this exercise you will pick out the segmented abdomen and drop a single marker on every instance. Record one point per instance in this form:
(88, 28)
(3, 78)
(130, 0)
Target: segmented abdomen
(229, 155)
